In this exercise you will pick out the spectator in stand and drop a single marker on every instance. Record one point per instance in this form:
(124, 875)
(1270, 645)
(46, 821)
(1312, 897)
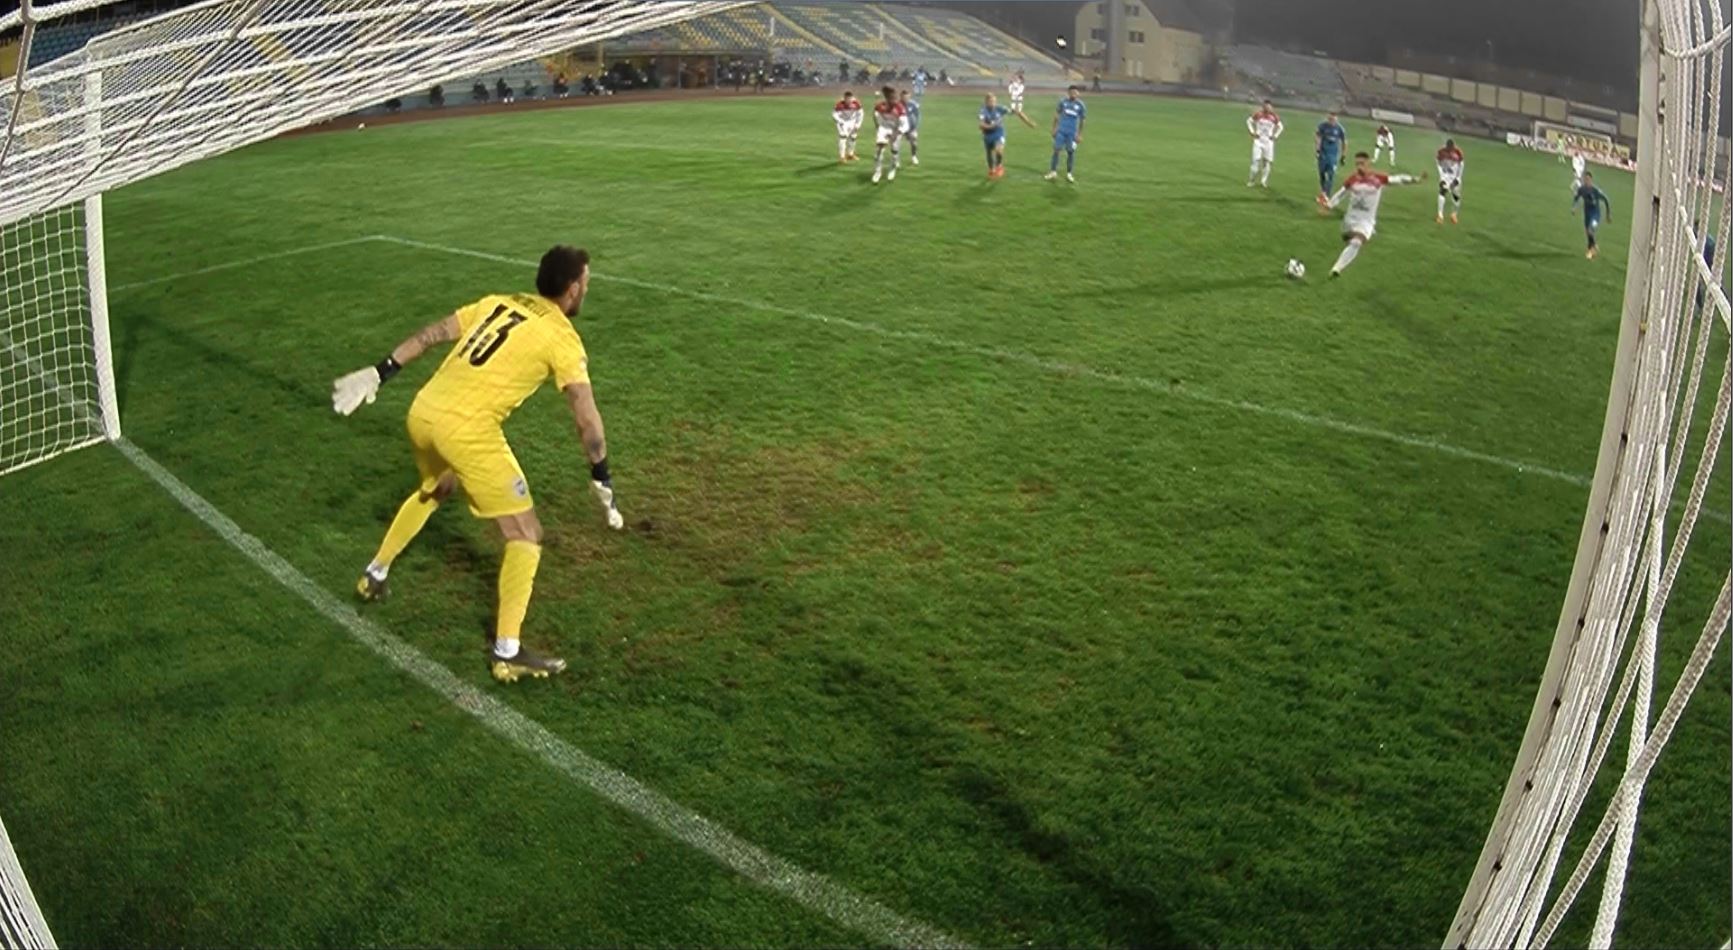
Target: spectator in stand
(863, 77)
(394, 104)
(944, 76)
(529, 90)
(760, 78)
(589, 86)
(436, 97)
(1095, 83)
(561, 87)
(478, 92)
(739, 75)
(501, 91)
(842, 72)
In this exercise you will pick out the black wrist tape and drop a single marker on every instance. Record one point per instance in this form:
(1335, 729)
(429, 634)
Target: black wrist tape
(387, 368)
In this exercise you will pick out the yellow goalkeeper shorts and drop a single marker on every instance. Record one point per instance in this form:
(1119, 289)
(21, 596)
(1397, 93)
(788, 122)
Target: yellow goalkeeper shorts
(474, 450)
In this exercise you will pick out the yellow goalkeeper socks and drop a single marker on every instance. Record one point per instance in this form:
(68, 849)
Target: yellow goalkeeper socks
(411, 518)
(517, 579)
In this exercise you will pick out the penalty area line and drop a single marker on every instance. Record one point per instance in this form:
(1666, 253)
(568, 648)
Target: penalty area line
(813, 891)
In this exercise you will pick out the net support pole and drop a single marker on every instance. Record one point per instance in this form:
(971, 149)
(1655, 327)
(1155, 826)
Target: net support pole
(96, 273)
(1590, 544)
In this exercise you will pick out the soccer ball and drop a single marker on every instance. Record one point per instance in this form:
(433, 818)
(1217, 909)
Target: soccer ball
(1296, 269)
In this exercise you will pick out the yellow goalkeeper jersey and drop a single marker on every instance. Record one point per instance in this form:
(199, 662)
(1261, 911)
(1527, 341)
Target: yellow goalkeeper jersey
(506, 347)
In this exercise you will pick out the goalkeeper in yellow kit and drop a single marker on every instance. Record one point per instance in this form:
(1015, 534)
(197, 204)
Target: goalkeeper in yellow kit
(506, 346)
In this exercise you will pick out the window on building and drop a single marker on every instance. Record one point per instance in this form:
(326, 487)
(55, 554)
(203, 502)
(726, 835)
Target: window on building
(1131, 9)
(1098, 34)
(1137, 36)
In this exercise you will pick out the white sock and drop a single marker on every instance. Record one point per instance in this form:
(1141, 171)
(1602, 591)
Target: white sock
(377, 570)
(1392, 156)
(841, 147)
(1441, 206)
(1348, 254)
(505, 647)
(1267, 167)
(879, 159)
(1254, 175)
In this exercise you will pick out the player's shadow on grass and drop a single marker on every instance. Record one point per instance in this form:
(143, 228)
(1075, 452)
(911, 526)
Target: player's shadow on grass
(1244, 198)
(1158, 289)
(1498, 248)
(1132, 909)
(818, 169)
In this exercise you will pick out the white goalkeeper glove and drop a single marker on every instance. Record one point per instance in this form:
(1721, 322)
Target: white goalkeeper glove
(603, 486)
(350, 391)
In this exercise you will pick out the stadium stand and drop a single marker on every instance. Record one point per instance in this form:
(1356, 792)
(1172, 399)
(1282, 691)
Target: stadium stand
(57, 39)
(1366, 89)
(746, 30)
(869, 35)
(982, 47)
(1305, 79)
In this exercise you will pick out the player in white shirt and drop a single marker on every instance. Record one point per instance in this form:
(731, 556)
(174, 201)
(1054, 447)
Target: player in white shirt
(848, 116)
(1450, 165)
(1363, 190)
(1578, 163)
(1015, 87)
(1265, 127)
(1385, 139)
(888, 119)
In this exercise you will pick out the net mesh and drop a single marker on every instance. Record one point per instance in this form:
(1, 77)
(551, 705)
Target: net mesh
(49, 397)
(200, 81)
(21, 923)
(1664, 433)
(217, 75)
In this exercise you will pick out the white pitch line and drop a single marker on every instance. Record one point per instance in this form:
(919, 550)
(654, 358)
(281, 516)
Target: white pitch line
(1057, 367)
(814, 891)
(261, 259)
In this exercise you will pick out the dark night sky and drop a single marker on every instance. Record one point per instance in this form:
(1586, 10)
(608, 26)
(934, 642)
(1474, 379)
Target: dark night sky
(1594, 40)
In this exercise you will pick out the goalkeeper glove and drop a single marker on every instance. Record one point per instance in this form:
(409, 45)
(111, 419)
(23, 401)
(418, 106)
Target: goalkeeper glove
(361, 386)
(603, 486)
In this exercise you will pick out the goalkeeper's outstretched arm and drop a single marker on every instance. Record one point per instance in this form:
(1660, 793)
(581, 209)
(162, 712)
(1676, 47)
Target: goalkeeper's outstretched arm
(349, 392)
(582, 400)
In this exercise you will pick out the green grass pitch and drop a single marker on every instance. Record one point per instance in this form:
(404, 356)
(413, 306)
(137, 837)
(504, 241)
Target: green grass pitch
(1032, 558)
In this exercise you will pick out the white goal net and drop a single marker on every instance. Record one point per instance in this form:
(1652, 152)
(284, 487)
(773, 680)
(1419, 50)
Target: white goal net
(1665, 428)
(21, 923)
(199, 81)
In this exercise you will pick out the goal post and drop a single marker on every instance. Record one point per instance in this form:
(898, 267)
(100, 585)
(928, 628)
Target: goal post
(195, 82)
(1639, 521)
(192, 83)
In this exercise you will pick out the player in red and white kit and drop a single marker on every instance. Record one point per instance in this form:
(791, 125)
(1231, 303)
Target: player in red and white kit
(888, 116)
(1265, 127)
(1450, 179)
(1363, 190)
(1385, 139)
(848, 116)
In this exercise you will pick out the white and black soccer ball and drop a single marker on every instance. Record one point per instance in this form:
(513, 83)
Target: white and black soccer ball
(1296, 270)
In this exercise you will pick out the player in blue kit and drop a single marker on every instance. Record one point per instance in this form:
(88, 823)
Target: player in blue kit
(1067, 133)
(912, 126)
(1593, 201)
(993, 133)
(1332, 147)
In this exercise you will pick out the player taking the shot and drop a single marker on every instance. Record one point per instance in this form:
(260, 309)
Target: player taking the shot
(1363, 190)
(506, 346)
